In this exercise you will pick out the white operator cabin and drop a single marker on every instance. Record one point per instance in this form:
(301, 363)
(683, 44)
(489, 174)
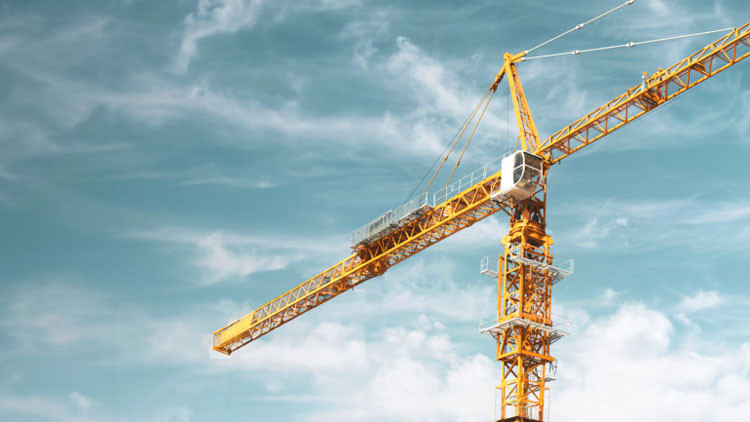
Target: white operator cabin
(526, 171)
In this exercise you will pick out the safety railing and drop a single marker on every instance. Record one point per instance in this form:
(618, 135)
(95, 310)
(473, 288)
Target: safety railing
(391, 220)
(560, 325)
(467, 181)
(488, 268)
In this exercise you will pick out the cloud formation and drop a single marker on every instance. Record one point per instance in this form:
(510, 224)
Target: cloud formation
(633, 364)
(215, 17)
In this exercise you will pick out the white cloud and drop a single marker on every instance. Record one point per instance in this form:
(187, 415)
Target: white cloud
(592, 232)
(81, 402)
(32, 406)
(722, 212)
(42, 408)
(62, 319)
(58, 409)
(620, 225)
(630, 364)
(39, 313)
(222, 262)
(610, 295)
(155, 101)
(225, 255)
(364, 34)
(388, 351)
(433, 86)
(441, 98)
(653, 19)
(409, 367)
(399, 374)
(22, 137)
(483, 234)
(438, 88)
(634, 365)
(239, 182)
(209, 174)
(215, 17)
(432, 287)
(411, 370)
(702, 300)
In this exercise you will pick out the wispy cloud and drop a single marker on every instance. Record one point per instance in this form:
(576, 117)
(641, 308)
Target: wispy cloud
(60, 318)
(77, 408)
(208, 174)
(700, 301)
(383, 372)
(215, 17)
(434, 287)
(365, 33)
(484, 235)
(44, 408)
(616, 224)
(225, 255)
(223, 262)
(441, 99)
(82, 402)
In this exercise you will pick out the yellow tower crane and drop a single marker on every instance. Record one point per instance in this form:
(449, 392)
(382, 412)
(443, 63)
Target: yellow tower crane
(523, 328)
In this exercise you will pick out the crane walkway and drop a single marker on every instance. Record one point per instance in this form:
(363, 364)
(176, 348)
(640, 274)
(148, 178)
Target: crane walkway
(392, 220)
(494, 326)
(562, 268)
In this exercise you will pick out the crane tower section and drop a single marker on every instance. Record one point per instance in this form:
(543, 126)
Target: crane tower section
(525, 311)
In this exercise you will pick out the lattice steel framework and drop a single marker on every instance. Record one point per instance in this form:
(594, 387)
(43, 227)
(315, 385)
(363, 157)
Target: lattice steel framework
(524, 307)
(524, 293)
(660, 87)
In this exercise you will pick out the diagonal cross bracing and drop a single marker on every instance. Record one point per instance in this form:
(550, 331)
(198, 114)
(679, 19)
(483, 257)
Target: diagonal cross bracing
(661, 87)
(462, 210)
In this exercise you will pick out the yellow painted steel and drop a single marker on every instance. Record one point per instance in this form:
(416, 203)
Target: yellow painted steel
(525, 310)
(527, 134)
(456, 213)
(662, 86)
(524, 292)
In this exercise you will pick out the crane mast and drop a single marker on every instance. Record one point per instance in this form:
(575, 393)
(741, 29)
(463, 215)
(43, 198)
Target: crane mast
(523, 328)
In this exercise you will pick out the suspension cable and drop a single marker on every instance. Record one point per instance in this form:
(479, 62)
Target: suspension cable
(469, 140)
(581, 25)
(468, 122)
(427, 173)
(626, 45)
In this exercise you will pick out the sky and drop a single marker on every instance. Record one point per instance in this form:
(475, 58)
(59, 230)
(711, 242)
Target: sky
(167, 167)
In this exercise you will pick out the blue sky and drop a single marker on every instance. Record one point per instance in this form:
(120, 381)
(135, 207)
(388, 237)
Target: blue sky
(167, 167)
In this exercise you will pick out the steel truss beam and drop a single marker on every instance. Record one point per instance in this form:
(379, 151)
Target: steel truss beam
(464, 209)
(659, 88)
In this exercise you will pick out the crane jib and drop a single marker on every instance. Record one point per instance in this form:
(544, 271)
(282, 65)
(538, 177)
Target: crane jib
(482, 199)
